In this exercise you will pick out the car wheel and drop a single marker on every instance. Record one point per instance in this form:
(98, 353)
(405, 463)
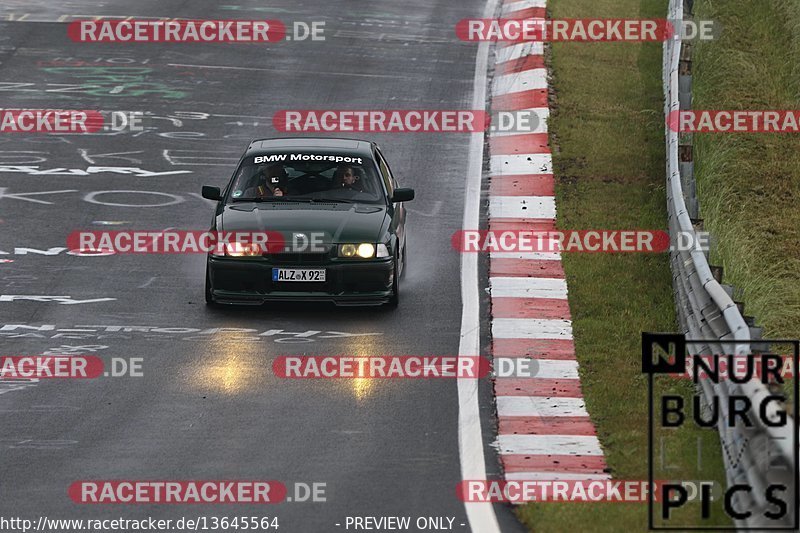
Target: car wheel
(394, 299)
(209, 295)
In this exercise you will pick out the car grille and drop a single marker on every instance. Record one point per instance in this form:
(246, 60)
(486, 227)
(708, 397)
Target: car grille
(298, 259)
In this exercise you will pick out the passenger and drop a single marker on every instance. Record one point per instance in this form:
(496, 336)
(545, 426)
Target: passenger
(345, 177)
(270, 182)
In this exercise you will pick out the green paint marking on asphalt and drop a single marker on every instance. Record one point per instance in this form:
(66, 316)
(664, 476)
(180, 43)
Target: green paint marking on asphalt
(361, 13)
(256, 8)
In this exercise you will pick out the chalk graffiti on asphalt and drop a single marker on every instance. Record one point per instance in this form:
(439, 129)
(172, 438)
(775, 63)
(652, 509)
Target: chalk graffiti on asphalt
(61, 300)
(34, 170)
(129, 332)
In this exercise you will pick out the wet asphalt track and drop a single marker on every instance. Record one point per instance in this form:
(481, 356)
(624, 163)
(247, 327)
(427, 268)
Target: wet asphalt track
(208, 406)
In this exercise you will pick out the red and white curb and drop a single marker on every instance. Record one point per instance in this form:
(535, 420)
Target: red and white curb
(544, 430)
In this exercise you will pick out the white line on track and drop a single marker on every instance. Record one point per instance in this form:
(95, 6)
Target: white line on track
(147, 283)
(523, 4)
(517, 51)
(539, 406)
(481, 516)
(516, 287)
(545, 444)
(557, 476)
(550, 369)
(510, 165)
(531, 328)
(517, 82)
(537, 117)
(536, 207)
(534, 256)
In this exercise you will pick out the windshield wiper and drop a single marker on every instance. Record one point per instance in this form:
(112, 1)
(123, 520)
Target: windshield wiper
(274, 199)
(313, 200)
(267, 199)
(298, 199)
(334, 200)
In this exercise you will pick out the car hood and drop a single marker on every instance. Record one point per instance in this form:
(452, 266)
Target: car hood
(339, 222)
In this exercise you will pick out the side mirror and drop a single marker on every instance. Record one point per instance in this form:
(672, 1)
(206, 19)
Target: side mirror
(403, 195)
(211, 193)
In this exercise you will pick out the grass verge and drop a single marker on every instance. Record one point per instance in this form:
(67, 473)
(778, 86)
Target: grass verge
(607, 131)
(749, 184)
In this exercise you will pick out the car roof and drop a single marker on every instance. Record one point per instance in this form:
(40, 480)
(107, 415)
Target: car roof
(324, 145)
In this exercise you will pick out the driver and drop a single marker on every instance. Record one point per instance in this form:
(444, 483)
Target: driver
(345, 177)
(269, 182)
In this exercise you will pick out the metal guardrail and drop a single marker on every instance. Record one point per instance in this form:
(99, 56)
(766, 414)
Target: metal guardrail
(760, 455)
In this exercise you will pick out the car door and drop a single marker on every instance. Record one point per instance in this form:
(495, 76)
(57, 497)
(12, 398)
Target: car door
(398, 209)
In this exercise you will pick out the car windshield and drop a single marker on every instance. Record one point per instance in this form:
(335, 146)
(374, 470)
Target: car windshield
(307, 177)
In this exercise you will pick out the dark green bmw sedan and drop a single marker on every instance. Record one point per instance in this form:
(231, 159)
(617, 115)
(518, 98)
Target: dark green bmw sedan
(339, 215)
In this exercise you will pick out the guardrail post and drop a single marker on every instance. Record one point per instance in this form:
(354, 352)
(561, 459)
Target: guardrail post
(717, 272)
(685, 148)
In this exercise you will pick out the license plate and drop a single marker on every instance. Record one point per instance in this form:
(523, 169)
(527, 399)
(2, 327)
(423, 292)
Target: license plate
(298, 274)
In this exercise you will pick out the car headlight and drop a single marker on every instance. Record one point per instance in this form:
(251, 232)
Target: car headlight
(364, 250)
(347, 250)
(238, 249)
(383, 251)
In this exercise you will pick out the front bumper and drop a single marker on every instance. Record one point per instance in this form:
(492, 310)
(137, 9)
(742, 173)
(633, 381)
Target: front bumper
(249, 281)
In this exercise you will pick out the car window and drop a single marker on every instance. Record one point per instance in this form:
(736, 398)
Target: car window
(386, 173)
(307, 176)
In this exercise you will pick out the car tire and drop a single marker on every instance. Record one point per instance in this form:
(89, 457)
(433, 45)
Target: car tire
(210, 301)
(394, 299)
